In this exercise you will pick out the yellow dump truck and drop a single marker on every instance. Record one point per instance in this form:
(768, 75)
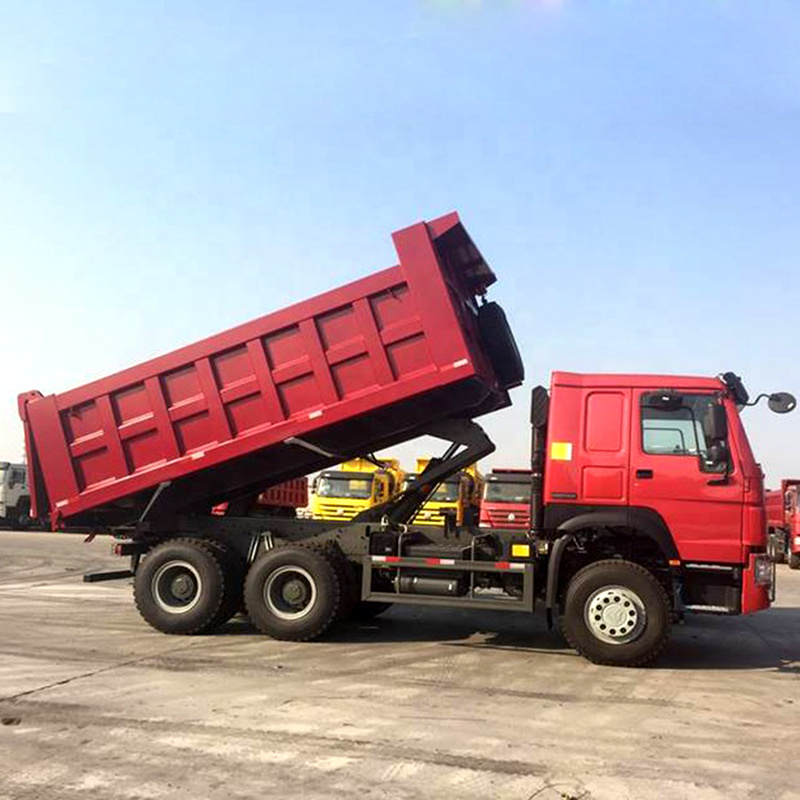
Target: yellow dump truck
(355, 485)
(460, 495)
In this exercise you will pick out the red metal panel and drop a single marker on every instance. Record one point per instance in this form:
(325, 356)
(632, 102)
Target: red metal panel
(167, 447)
(385, 338)
(372, 341)
(325, 388)
(216, 411)
(705, 519)
(266, 385)
(773, 501)
(754, 597)
(291, 494)
(54, 457)
(118, 466)
(605, 450)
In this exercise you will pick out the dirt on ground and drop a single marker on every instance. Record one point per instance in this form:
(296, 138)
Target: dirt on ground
(419, 703)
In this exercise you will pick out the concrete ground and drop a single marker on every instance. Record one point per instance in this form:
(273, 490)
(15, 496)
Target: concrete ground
(433, 703)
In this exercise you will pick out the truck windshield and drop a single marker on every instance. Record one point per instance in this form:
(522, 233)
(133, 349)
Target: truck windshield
(498, 492)
(348, 488)
(446, 492)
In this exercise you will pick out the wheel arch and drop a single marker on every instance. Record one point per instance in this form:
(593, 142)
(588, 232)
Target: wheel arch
(639, 522)
(642, 521)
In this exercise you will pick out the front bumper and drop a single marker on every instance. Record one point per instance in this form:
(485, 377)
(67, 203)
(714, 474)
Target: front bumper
(758, 583)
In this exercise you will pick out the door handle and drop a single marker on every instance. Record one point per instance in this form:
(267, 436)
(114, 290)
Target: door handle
(644, 473)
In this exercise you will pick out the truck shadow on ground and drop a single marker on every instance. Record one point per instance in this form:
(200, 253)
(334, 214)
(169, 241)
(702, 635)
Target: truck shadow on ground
(767, 641)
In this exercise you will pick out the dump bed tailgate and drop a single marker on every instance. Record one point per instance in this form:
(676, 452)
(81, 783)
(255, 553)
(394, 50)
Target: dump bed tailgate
(356, 368)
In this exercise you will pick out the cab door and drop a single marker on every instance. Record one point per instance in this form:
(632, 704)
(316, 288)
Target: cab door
(673, 472)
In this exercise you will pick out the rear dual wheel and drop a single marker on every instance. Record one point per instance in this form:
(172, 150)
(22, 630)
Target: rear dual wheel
(366, 610)
(293, 593)
(352, 606)
(616, 613)
(188, 586)
(793, 560)
(775, 551)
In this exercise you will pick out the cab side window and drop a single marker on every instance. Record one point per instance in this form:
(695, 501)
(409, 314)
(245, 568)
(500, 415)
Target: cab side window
(677, 425)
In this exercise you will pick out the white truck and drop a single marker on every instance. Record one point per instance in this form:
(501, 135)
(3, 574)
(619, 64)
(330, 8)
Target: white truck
(15, 498)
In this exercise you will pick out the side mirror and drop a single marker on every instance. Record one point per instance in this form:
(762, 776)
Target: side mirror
(717, 454)
(717, 460)
(782, 402)
(716, 423)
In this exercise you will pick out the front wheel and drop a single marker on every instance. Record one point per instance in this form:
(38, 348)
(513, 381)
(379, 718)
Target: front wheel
(616, 613)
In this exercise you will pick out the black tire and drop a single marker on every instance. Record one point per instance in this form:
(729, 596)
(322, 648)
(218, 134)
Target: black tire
(352, 607)
(23, 516)
(293, 593)
(235, 568)
(499, 343)
(793, 560)
(616, 613)
(180, 587)
(775, 552)
(349, 585)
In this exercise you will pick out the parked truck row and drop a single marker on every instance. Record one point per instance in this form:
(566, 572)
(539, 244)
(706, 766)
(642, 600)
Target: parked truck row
(15, 499)
(783, 521)
(643, 501)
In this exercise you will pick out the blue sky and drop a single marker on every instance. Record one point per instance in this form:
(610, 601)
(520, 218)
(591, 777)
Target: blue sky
(630, 169)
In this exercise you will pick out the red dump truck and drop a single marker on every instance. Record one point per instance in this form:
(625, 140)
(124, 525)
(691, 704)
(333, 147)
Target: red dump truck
(783, 522)
(646, 500)
(283, 499)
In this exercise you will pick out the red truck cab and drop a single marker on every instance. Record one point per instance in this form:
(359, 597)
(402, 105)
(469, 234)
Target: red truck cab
(666, 458)
(506, 499)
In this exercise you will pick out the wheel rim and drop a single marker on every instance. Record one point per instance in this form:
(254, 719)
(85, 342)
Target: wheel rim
(290, 592)
(615, 615)
(176, 587)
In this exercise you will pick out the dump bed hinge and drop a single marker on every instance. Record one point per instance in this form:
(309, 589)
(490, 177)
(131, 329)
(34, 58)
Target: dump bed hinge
(461, 434)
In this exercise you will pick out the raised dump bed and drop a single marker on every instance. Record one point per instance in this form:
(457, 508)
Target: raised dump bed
(356, 369)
